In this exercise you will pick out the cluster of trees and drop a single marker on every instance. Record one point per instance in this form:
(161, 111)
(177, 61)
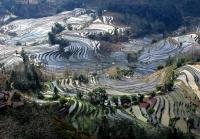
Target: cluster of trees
(41, 9)
(173, 63)
(24, 76)
(113, 38)
(183, 59)
(2, 67)
(98, 96)
(81, 77)
(25, 57)
(126, 100)
(169, 80)
(153, 17)
(117, 73)
(144, 16)
(56, 29)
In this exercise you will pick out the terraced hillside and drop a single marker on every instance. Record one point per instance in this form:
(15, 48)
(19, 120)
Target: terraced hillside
(178, 107)
(159, 52)
(8, 56)
(188, 81)
(85, 116)
(32, 35)
(92, 74)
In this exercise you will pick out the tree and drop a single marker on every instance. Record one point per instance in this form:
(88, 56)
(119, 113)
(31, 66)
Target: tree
(13, 76)
(150, 111)
(57, 28)
(62, 44)
(134, 98)
(82, 78)
(52, 38)
(55, 96)
(91, 96)
(55, 91)
(115, 100)
(98, 96)
(169, 61)
(69, 27)
(159, 67)
(125, 99)
(63, 100)
(79, 94)
(180, 62)
(1, 65)
(141, 98)
(24, 56)
(169, 85)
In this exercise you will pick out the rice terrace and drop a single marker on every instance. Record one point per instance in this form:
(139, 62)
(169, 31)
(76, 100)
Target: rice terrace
(83, 69)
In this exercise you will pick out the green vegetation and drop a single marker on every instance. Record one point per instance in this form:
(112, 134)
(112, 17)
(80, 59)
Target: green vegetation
(24, 56)
(73, 106)
(33, 121)
(83, 79)
(183, 59)
(141, 15)
(159, 67)
(26, 77)
(98, 96)
(107, 37)
(115, 100)
(141, 98)
(150, 111)
(117, 73)
(172, 64)
(125, 100)
(124, 129)
(132, 57)
(56, 29)
(169, 80)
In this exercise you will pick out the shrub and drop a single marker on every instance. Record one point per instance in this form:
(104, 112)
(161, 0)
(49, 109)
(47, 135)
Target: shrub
(150, 111)
(169, 85)
(57, 28)
(52, 38)
(115, 100)
(63, 100)
(125, 99)
(141, 98)
(82, 78)
(132, 57)
(180, 62)
(18, 43)
(169, 61)
(69, 27)
(159, 67)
